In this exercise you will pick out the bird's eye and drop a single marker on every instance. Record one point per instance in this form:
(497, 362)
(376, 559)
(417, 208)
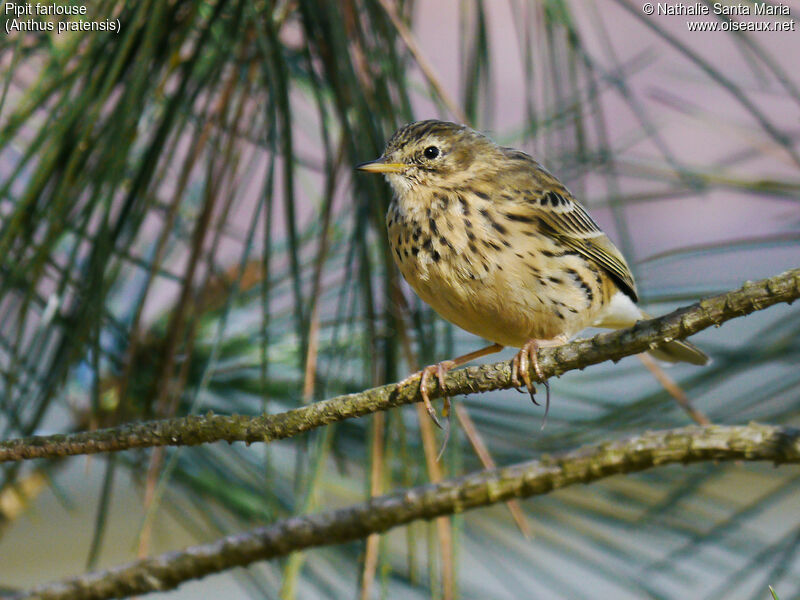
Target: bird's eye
(431, 152)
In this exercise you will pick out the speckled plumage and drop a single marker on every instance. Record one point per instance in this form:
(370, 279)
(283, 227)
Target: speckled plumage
(498, 246)
(490, 258)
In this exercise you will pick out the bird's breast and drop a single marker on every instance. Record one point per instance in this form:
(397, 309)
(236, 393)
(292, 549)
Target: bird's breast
(498, 278)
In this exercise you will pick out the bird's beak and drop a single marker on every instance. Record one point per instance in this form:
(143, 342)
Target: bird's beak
(379, 165)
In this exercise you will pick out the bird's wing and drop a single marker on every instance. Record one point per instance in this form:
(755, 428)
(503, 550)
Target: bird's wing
(571, 224)
(564, 219)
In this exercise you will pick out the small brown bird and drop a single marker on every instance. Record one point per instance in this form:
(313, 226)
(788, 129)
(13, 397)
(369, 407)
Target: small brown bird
(498, 246)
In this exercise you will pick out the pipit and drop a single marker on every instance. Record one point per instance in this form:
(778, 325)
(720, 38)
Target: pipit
(498, 246)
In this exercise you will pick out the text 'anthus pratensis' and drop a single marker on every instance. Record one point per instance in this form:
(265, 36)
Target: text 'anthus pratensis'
(498, 246)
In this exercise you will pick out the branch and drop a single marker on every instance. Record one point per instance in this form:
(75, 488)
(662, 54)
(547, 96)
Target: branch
(193, 430)
(753, 442)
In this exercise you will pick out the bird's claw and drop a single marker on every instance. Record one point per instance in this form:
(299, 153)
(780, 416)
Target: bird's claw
(423, 392)
(520, 366)
(440, 369)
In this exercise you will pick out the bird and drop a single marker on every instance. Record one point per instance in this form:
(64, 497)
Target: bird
(498, 246)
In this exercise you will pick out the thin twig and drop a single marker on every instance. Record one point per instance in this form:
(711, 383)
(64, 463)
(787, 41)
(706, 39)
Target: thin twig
(475, 439)
(443, 529)
(322, 252)
(424, 64)
(428, 435)
(375, 488)
(674, 390)
(754, 442)
(193, 430)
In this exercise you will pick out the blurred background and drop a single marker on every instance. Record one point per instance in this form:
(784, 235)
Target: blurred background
(181, 230)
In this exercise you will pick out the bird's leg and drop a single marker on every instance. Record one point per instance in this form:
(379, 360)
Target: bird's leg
(440, 369)
(527, 356)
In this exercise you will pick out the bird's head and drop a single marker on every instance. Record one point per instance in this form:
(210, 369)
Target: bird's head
(433, 154)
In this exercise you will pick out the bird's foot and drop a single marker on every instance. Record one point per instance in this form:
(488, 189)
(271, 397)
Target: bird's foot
(439, 369)
(520, 367)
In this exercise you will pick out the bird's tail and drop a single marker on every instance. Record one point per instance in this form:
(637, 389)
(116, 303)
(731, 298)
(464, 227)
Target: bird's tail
(622, 312)
(678, 351)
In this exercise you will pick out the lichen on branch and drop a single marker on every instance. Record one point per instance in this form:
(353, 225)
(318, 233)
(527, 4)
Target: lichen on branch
(194, 430)
(754, 442)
